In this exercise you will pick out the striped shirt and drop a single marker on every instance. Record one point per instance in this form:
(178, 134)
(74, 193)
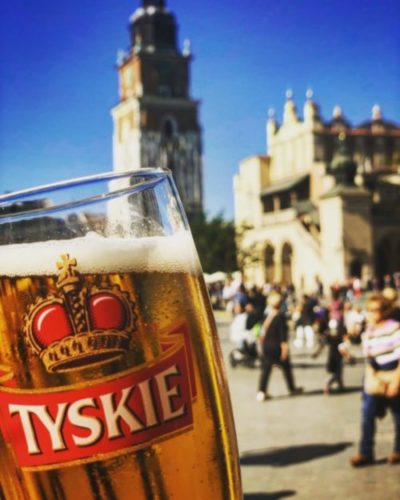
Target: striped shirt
(382, 343)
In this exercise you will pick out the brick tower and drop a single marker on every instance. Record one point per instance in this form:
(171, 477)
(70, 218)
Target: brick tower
(156, 120)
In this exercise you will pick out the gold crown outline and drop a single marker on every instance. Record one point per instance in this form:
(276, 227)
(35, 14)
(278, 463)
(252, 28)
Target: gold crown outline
(84, 345)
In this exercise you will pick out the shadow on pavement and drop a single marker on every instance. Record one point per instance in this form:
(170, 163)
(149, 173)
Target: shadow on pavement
(301, 365)
(269, 496)
(307, 366)
(308, 356)
(281, 457)
(319, 392)
(380, 461)
(294, 354)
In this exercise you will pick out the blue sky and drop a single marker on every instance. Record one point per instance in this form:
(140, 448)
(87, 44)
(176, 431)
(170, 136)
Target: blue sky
(58, 81)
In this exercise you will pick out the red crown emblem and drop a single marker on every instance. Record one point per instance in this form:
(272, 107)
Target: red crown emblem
(79, 326)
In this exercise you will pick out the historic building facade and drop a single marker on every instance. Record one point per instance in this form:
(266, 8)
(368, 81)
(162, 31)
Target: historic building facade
(156, 121)
(324, 201)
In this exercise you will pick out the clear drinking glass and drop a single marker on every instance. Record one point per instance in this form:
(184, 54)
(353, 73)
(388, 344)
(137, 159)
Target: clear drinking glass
(111, 378)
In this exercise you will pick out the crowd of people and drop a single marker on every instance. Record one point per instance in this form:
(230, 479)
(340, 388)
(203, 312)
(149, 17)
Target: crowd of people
(266, 320)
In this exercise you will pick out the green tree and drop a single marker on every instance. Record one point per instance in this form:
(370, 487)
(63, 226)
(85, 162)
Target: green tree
(215, 242)
(246, 255)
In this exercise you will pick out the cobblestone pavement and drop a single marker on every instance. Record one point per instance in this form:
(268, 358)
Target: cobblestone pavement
(299, 447)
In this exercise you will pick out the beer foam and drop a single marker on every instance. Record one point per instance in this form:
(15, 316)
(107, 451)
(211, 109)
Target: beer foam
(96, 254)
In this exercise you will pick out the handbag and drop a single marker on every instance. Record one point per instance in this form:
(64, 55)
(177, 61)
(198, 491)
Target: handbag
(376, 381)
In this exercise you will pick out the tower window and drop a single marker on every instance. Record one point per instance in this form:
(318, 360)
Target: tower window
(164, 90)
(169, 128)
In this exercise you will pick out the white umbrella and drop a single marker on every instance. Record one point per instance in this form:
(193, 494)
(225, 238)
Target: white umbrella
(217, 276)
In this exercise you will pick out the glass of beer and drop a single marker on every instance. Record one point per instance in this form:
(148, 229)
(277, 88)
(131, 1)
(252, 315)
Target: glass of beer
(111, 376)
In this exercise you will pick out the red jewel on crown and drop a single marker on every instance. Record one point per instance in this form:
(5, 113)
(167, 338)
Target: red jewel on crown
(79, 326)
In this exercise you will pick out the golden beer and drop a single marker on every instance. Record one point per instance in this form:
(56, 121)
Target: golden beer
(113, 386)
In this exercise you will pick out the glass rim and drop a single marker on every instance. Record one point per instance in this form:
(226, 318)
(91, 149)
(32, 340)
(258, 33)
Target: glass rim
(86, 179)
(155, 176)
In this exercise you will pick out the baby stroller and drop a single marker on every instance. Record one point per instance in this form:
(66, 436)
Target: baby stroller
(245, 352)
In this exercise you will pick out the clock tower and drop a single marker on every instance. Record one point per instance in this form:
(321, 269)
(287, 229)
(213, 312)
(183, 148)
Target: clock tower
(156, 120)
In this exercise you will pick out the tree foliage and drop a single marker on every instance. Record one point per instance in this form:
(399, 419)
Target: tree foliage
(215, 242)
(246, 255)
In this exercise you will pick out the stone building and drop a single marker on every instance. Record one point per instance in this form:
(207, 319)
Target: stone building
(156, 121)
(324, 201)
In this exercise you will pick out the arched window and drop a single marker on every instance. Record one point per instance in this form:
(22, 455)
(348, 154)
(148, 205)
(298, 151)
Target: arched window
(355, 268)
(169, 127)
(269, 263)
(286, 260)
(169, 143)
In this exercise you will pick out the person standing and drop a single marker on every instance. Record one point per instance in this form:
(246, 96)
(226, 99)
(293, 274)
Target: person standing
(381, 343)
(305, 321)
(334, 337)
(275, 348)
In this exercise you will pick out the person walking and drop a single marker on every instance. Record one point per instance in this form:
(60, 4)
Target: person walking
(381, 343)
(335, 339)
(275, 348)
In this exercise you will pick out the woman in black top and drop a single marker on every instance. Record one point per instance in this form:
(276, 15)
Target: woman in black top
(275, 347)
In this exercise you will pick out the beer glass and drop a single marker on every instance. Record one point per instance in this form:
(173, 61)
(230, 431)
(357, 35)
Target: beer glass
(111, 377)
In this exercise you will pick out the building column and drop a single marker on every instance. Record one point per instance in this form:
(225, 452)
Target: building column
(346, 232)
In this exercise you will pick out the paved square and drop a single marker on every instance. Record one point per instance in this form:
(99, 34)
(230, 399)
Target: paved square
(299, 447)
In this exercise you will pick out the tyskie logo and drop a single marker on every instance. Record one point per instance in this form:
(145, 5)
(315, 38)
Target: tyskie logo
(55, 427)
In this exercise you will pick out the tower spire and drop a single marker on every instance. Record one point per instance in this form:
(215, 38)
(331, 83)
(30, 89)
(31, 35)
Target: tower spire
(153, 27)
(153, 3)
(311, 111)
(289, 110)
